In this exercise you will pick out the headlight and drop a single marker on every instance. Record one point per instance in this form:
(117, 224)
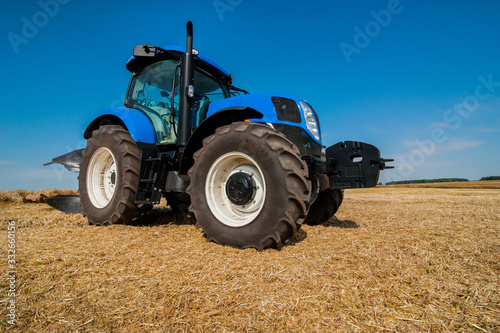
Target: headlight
(311, 123)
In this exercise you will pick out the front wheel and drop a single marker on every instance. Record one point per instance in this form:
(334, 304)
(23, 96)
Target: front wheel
(326, 204)
(109, 174)
(248, 187)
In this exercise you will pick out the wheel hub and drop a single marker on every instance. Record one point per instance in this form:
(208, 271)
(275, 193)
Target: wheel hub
(235, 189)
(101, 177)
(240, 188)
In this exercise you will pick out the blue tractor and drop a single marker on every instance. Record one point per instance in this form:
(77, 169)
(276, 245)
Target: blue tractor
(250, 167)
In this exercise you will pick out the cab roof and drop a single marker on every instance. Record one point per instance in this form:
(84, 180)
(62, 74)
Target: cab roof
(136, 64)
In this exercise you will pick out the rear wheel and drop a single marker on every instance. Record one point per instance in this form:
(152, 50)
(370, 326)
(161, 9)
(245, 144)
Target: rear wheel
(109, 174)
(248, 187)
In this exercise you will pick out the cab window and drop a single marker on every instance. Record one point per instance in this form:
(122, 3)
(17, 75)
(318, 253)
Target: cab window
(155, 91)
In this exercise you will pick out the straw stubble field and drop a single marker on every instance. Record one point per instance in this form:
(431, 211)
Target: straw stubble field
(394, 259)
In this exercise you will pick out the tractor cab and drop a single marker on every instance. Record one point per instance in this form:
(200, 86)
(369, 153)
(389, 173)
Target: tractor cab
(155, 88)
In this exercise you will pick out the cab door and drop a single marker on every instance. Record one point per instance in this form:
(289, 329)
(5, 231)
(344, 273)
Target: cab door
(155, 92)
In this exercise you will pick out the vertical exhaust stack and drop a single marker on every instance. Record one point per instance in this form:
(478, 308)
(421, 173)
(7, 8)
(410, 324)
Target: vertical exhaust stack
(187, 90)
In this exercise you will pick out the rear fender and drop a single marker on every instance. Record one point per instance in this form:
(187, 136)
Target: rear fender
(134, 121)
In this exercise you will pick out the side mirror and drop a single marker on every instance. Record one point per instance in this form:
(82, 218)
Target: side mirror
(144, 50)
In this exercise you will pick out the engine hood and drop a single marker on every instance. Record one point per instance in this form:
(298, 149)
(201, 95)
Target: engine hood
(277, 108)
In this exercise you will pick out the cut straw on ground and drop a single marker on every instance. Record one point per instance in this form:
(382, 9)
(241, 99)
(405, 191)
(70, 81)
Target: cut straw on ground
(393, 259)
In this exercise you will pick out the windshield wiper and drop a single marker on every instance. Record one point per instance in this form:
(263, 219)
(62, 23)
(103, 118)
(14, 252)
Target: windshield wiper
(238, 90)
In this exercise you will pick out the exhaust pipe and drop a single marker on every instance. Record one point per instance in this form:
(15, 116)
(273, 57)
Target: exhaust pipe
(187, 89)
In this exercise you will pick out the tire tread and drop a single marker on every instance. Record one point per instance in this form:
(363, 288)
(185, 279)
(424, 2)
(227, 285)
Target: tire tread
(297, 186)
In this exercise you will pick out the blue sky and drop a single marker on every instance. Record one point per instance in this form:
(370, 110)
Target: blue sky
(419, 79)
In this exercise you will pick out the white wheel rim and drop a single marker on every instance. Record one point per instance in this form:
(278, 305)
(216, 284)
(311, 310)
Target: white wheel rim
(101, 178)
(224, 210)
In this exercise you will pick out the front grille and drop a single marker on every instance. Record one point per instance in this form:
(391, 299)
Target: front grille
(286, 109)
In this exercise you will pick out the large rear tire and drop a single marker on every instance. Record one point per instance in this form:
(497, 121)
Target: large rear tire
(248, 187)
(109, 175)
(326, 204)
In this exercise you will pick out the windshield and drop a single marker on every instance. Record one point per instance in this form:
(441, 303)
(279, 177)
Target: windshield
(156, 92)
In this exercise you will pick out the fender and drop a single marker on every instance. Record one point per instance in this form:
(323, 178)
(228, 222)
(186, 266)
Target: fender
(207, 127)
(133, 120)
(259, 101)
(265, 104)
